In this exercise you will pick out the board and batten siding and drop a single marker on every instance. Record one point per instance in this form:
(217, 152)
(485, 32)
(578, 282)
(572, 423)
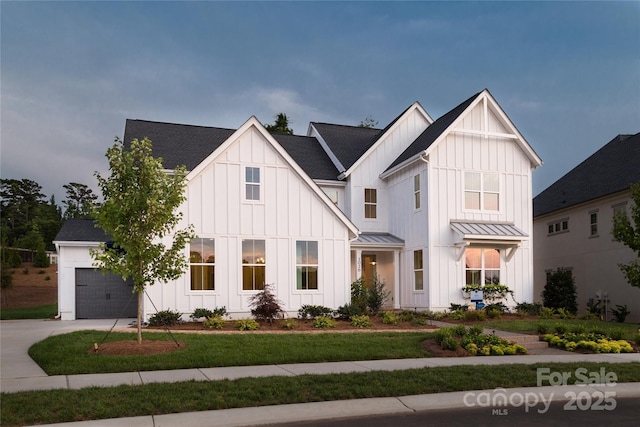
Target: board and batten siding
(289, 210)
(366, 173)
(458, 153)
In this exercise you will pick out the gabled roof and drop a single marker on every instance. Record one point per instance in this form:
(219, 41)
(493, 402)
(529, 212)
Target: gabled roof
(80, 230)
(609, 170)
(347, 143)
(432, 132)
(190, 145)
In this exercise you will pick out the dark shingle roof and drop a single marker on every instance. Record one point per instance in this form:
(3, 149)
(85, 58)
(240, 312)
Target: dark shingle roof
(177, 144)
(348, 143)
(308, 153)
(432, 132)
(80, 230)
(190, 145)
(611, 169)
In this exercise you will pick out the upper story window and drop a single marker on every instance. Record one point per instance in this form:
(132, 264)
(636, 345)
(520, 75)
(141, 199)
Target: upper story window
(333, 195)
(370, 203)
(306, 265)
(556, 227)
(481, 191)
(416, 192)
(620, 209)
(252, 183)
(593, 221)
(253, 265)
(202, 264)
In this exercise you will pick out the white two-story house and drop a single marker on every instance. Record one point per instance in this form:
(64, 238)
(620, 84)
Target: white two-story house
(427, 206)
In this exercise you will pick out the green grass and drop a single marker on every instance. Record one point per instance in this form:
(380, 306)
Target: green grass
(530, 326)
(41, 312)
(27, 408)
(67, 354)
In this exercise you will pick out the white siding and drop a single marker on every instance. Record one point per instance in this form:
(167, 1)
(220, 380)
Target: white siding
(289, 210)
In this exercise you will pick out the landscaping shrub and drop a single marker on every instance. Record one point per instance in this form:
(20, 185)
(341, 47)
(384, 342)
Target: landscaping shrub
(264, 305)
(165, 318)
(290, 324)
(560, 291)
(41, 260)
(533, 308)
(361, 321)
(457, 315)
(369, 299)
(407, 315)
(595, 342)
(620, 313)
(497, 306)
(494, 314)
(474, 315)
(312, 311)
(475, 342)
(390, 318)
(560, 328)
(450, 343)
(323, 322)
(201, 312)
(458, 307)
(247, 324)
(475, 330)
(547, 313)
(214, 322)
(459, 330)
(542, 328)
(347, 311)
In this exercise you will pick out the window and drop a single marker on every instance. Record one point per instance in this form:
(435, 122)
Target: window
(202, 264)
(370, 203)
(333, 195)
(252, 183)
(481, 191)
(556, 227)
(620, 209)
(306, 265)
(416, 192)
(482, 266)
(593, 220)
(253, 265)
(418, 271)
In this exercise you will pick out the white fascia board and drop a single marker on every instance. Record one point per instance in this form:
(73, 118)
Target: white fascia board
(401, 166)
(414, 107)
(330, 183)
(75, 243)
(313, 132)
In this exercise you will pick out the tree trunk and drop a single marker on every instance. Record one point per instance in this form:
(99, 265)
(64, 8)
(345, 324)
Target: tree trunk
(140, 299)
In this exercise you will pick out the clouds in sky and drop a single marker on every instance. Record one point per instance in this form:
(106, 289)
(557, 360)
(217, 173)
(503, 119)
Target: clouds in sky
(567, 74)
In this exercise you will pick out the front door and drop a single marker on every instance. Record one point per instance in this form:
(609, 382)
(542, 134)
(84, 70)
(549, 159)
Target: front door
(369, 269)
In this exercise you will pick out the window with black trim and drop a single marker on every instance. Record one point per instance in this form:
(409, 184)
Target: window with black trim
(557, 227)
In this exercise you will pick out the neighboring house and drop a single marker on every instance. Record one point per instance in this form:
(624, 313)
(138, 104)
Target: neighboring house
(573, 220)
(427, 206)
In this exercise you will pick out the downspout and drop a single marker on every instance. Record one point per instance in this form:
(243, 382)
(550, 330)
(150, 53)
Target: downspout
(424, 158)
(59, 315)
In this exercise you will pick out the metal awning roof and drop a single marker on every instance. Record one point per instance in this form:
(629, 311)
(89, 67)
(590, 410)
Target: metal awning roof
(382, 240)
(488, 231)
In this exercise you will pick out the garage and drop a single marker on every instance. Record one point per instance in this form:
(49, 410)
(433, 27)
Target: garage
(102, 295)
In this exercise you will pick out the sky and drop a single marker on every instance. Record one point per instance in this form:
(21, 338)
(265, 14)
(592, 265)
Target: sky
(566, 73)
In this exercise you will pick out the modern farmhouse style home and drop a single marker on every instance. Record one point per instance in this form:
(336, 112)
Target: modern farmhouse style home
(573, 220)
(426, 206)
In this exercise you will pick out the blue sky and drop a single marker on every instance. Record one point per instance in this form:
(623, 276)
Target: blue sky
(566, 73)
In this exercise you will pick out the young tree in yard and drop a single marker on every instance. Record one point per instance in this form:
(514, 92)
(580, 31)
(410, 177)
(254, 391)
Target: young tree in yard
(140, 214)
(627, 230)
(560, 291)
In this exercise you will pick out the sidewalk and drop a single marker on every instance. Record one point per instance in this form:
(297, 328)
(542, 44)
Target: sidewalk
(20, 373)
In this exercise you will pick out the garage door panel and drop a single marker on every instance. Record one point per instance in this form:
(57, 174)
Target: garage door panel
(100, 296)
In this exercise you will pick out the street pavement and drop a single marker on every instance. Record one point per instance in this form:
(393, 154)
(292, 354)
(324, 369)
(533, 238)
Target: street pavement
(18, 372)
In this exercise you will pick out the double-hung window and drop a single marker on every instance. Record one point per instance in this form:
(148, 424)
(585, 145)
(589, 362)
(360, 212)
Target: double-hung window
(416, 192)
(306, 265)
(202, 264)
(481, 191)
(253, 265)
(482, 266)
(252, 183)
(370, 203)
(593, 221)
(418, 271)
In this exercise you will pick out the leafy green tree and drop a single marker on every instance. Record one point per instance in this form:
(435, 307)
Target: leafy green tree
(140, 213)
(560, 291)
(368, 122)
(19, 205)
(281, 125)
(80, 201)
(627, 231)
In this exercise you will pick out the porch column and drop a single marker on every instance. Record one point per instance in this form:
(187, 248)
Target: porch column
(396, 279)
(358, 263)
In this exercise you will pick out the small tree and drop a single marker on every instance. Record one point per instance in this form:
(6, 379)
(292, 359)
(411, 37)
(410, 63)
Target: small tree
(627, 230)
(560, 291)
(264, 305)
(281, 125)
(139, 212)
